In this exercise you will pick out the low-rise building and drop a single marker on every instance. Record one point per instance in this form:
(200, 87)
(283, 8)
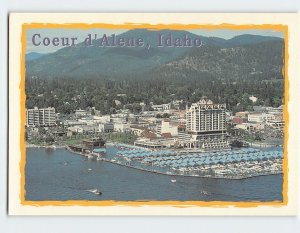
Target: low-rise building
(279, 124)
(68, 123)
(167, 126)
(137, 130)
(106, 127)
(250, 126)
(79, 129)
(261, 117)
(242, 114)
(259, 108)
(89, 128)
(75, 129)
(81, 113)
(176, 103)
(161, 107)
(102, 119)
(256, 117)
(237, 120)
(122, 128)
(276, 121)
(275, 110)
(118, 120)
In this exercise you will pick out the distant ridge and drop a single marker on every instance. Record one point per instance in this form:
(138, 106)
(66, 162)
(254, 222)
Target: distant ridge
(248, 39)
(33, 56)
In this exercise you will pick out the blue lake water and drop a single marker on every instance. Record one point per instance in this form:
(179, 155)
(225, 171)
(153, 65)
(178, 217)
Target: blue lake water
(61, 175)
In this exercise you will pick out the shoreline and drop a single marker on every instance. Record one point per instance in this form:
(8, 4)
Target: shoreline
(45, 146)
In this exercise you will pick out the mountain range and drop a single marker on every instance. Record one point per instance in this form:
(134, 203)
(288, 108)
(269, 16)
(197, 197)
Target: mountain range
(242, 56)
(33, 55)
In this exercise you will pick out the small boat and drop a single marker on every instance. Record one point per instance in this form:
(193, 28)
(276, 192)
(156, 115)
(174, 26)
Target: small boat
(173, 181)
(89, 169)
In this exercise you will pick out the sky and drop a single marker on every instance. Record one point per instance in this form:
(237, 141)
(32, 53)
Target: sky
(82, 34)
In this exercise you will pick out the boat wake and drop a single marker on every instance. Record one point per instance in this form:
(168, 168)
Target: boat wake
(92, 190)
(204, 192)
(95, 191)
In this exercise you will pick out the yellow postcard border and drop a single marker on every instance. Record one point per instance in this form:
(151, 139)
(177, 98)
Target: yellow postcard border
(140, 203)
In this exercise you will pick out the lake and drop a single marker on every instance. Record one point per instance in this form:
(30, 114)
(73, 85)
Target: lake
(62, 175)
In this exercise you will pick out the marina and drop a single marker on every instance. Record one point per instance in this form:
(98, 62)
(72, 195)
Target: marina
(233, 164)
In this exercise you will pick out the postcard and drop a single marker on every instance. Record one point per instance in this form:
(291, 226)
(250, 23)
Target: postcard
(153, 114)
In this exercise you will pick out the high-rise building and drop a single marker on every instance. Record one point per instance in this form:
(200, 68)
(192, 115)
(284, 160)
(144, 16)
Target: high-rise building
(40, 117)
(205, 122)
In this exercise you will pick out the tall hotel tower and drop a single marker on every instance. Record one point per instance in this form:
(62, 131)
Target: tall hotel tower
(205, 122)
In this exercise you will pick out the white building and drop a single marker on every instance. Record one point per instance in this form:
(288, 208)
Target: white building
(75, 129)
(40, 117)
(253, 98)
(250, 126)
(167, 127)
(205, 122)
(276, 121)
(118, 120)
(81, 113)
(120, 127)
(177, 103)
(161, 107)
(102, 119)
(73, 123)
(279, 124)
(83, 129)
(260, 117)
(256, 117)
(275, 110)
